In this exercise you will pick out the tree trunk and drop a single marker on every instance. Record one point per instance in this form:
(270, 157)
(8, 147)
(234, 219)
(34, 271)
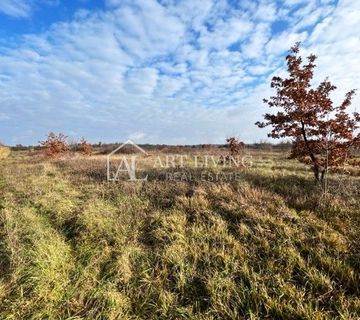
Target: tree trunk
(319, 173)
(316, 170)
(316, 167)
(323, 172)
(324, 180)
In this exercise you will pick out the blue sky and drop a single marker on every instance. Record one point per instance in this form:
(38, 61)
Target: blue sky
(166, 71)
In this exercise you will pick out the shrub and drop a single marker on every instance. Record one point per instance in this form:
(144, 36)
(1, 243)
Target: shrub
(85, 148)
(4, 151)
(55, 145)
(235, 147)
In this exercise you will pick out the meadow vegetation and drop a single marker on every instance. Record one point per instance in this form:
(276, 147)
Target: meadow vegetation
(4, 152)
(269, 245)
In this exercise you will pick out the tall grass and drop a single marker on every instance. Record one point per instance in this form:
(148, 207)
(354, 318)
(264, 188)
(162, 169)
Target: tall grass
(4, 152)
(74, 246)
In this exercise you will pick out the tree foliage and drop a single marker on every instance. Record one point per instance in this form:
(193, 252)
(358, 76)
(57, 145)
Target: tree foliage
(324, 135)
(55, 145)
(235, 146)
(85, 148)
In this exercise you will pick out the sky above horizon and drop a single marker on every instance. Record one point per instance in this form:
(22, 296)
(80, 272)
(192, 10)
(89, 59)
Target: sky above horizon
(166, 71)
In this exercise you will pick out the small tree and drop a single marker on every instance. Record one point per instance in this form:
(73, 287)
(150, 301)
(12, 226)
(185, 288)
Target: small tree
(323, 134)
(85, 148)
(55, 145)
(235, 146)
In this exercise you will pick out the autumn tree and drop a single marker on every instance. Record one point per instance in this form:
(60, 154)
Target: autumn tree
(55, 145)
(85, 148)
(324, 135)
(235, 146)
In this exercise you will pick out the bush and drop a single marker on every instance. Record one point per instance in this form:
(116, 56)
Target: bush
(4, 152)
(85, 148)
(55, 145)
(235, 147)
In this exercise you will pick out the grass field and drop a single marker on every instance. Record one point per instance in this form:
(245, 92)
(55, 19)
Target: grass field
(269, 245)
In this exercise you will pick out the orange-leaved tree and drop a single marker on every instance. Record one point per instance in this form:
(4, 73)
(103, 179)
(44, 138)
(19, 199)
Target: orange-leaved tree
(235, 146)
(324, 135)
(55, 145)
(85, 148)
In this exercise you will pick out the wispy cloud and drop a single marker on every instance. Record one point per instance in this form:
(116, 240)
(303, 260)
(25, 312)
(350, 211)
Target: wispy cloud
(167, 71)
(15, 8)
(22, 8)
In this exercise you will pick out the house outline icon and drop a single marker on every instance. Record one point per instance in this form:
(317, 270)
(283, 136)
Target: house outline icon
(128, 142)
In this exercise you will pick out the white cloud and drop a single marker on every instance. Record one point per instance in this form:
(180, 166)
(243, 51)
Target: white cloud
(255, 46)
(22, 8)
(336, 42)
(291, 3)
(284, 41)
(144, 28)
(225, 33)
(167, 86)
(311, 18)
(15, 8)
(141, 81)
(136, 136)
(266, 11)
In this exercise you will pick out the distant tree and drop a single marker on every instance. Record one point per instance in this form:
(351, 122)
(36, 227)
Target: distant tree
(235, 146)
(55, 145)
(324, 135)
(85, 148)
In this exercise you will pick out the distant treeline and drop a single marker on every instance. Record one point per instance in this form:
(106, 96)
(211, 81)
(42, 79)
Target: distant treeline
(104, 148)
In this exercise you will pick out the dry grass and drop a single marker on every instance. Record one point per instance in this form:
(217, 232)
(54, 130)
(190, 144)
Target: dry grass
(269, 246)
(4, 152)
